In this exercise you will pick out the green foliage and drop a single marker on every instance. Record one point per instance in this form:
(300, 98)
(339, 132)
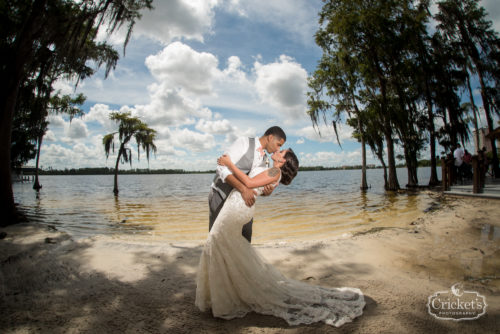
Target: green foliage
(129, 127)
(383, 74)
(464, 25)
(40, 42)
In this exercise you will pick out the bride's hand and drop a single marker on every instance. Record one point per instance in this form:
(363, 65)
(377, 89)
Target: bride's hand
(224, 160)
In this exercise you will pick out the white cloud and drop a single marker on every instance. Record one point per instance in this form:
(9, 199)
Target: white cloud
(283, 85)
(179, 66)
(100, 113)
(188, 81)
(192, 141)
(327, 133)
(214, 127)
(77, 129)
(56, 121)
(493, 11)
(84, 152)
(234, 89)
(194, 77)
(49, 136)
(298, 17)
(78, 155)
(331, 159)
(300, 141)
(165, 147)
(236, 132)
(63, 86)
(185, 81)
(170, 20)
(122, 86)
(55, 151)
(190, 19)
(234, 70)
(169, 107)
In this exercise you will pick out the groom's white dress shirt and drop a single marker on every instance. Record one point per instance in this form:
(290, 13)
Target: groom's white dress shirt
(235, 152)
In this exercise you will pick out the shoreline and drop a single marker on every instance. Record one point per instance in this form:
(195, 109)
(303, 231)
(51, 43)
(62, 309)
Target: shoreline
(52, 283)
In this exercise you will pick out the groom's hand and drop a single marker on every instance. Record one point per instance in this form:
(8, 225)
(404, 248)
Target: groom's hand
(248, 196)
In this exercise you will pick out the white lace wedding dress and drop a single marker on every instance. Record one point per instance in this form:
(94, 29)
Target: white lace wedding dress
(233, 279)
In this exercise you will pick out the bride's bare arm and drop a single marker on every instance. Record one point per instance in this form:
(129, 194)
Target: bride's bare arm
(267, 177)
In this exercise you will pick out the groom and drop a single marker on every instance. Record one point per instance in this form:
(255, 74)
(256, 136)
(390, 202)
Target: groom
(246, 153)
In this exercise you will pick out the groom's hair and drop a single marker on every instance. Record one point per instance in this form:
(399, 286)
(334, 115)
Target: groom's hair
(276, 131)
(290, 167)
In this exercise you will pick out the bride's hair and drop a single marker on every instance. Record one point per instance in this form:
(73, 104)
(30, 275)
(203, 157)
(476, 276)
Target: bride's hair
(290, 167)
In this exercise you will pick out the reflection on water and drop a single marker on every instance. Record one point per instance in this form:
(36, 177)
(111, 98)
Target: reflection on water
(317, 205)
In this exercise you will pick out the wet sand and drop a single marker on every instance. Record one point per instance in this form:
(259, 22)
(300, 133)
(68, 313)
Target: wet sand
(50, 283)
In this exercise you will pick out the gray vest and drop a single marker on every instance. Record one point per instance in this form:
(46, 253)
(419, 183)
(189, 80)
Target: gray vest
(244, 164)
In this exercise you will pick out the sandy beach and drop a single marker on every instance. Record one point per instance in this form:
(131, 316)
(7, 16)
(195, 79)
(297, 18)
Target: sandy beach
(50, 283)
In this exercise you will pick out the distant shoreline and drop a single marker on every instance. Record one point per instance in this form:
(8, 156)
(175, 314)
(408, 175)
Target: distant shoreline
(142, 171)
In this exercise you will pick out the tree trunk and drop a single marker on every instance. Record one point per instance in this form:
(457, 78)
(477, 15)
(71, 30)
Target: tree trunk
(384, 166)
(364, 185)
(8, 101)
(454, 140)
(393, 183)
(9, 88)
(36, 184)
(8, 97)
(474, 112)
(386, 183)
(412, 176)
(115, 183)
(475, 56)
(433, 181)
(489, 120)
(412, 170)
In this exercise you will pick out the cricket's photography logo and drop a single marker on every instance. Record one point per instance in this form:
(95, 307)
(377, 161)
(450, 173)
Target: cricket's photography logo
(457, 304)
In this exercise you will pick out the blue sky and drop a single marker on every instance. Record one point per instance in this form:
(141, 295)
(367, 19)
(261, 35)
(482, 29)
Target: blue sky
(201, 73)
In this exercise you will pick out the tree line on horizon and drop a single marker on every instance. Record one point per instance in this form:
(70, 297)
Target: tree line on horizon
(111, 171)
(398, 81)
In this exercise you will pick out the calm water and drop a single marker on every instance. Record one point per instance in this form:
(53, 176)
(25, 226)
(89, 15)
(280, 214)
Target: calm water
(318, 205)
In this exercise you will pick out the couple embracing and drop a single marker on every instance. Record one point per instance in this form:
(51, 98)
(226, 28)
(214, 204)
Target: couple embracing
(233, 278)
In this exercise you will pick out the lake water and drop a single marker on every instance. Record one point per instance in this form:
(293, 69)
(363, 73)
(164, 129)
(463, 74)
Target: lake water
(317, 205)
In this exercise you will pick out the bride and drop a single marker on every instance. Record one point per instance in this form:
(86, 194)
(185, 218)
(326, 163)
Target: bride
(233, 279)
